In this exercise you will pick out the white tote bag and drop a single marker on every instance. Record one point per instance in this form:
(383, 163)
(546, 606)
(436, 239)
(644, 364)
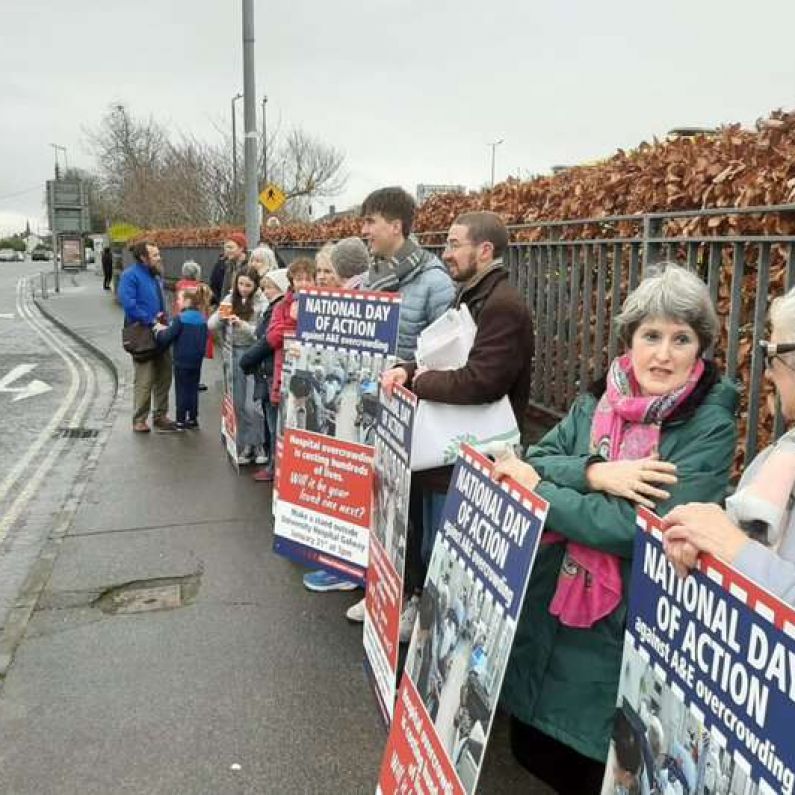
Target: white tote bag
(441, 428)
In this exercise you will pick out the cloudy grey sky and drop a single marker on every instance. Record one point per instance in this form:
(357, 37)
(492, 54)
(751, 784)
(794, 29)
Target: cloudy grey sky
(411, 90)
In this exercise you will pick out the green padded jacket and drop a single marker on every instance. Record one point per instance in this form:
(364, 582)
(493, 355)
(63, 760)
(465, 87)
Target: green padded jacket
(564, 681)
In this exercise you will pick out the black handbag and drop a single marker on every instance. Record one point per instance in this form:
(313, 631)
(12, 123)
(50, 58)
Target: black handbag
(138, 340)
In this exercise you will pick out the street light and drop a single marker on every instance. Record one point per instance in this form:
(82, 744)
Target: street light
(235, 98)
(56, 149)
(264, 142)
(494, 145)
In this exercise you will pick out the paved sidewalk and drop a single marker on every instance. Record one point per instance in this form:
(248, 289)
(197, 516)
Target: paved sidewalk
(252, 671)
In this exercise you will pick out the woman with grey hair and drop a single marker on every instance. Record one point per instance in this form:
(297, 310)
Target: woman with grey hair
(191, 279)
(262, 259)
(756, 532)
(351, 260)
(658, 430)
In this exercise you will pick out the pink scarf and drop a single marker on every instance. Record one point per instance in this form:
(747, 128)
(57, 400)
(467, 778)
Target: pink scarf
(626, 425)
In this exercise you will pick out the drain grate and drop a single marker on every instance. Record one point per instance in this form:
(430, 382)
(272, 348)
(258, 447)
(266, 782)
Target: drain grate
(76, 433)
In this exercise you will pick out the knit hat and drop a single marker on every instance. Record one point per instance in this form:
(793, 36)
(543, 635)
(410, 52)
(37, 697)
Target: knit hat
(350, 257)
(279, 277)
(239, 238)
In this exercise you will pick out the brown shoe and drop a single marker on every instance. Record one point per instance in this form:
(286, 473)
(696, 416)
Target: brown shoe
(141, 427)
(165, 424)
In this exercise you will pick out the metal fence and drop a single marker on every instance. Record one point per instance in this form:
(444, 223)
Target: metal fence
(575, 274)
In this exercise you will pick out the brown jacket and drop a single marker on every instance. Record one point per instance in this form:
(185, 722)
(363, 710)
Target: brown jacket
(499, 362)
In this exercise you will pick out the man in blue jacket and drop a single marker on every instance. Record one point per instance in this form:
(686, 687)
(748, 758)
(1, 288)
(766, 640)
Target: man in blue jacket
(141, 295)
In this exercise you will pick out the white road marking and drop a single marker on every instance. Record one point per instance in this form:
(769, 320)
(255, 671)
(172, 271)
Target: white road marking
(45, 436)
(34, 483)
(35, 387)
(7, 315)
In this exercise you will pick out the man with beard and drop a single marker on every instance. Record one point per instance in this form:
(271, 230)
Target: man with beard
(141, 295)
(499, 362)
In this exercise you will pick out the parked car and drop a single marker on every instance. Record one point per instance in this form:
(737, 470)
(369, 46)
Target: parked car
(40, 254)
(8, 255)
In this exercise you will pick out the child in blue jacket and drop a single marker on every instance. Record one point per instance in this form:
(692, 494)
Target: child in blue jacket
(187, 332)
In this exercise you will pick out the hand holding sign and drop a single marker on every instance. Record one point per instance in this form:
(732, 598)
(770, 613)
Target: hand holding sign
(509, 466)
(703, 528)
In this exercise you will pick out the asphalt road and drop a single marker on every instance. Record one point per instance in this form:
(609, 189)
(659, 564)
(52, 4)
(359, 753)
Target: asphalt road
(53, 396)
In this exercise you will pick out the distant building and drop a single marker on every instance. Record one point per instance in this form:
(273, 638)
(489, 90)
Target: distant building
(690, 132)
(333, 213)
(424, 192)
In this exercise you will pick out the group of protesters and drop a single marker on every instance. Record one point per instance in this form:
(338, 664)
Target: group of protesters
(658, 429)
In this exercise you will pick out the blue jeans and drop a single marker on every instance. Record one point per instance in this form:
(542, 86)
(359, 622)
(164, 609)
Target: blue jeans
(186, 387)
(432, 507)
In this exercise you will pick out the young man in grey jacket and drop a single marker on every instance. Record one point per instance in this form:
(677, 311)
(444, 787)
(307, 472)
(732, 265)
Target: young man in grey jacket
(401, 266)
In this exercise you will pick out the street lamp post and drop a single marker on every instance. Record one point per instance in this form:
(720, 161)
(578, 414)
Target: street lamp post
(494, 145)
(53, 233)
(264, 142)
(251, 206)
(56, 149)
(235, 98)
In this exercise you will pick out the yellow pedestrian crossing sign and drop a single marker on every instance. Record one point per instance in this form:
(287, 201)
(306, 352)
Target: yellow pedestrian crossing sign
(272, 197)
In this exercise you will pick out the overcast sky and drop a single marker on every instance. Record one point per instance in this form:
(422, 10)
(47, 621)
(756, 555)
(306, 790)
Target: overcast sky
(411, 90)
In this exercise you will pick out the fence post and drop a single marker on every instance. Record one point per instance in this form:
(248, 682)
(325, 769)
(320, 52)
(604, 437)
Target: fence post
(652, 228)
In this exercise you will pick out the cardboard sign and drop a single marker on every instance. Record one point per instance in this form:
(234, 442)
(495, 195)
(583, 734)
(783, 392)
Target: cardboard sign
(707, 679)
(344, 340)
(384, 595)
(477, 577)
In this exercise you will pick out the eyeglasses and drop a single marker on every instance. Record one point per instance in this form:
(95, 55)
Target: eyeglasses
(774, 350)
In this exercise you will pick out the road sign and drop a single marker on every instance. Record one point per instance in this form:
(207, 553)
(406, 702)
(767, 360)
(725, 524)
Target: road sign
(67, 201)
(272, 197)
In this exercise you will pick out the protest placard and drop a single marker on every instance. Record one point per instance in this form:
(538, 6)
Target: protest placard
(228, 416)
(707, 691)
(394, 426)
(325, 479)
(477, 577)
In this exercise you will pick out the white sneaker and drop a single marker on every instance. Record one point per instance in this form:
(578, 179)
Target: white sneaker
(355, 612)
(246, 455)
(259, 455)
(408, 617)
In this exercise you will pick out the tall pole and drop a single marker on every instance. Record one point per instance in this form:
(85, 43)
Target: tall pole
(53, 232)
(250, 120)
(235, 98)
(264, 142)
(494, 145)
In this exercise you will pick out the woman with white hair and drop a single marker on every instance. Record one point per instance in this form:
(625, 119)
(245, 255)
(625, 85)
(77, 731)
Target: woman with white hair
(325, 274)
(658, 430)
(262, 259)
(756, 532)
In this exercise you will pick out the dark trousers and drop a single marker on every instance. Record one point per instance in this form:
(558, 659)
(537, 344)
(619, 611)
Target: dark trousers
(567, 771)
(271, 421)
(107, 275)
(186, 386)
(416, 568)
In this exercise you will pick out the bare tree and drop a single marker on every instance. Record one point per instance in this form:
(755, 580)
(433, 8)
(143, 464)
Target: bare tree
(151, 178)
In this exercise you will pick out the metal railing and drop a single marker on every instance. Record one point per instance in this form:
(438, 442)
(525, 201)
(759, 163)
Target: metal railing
(575, 275)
